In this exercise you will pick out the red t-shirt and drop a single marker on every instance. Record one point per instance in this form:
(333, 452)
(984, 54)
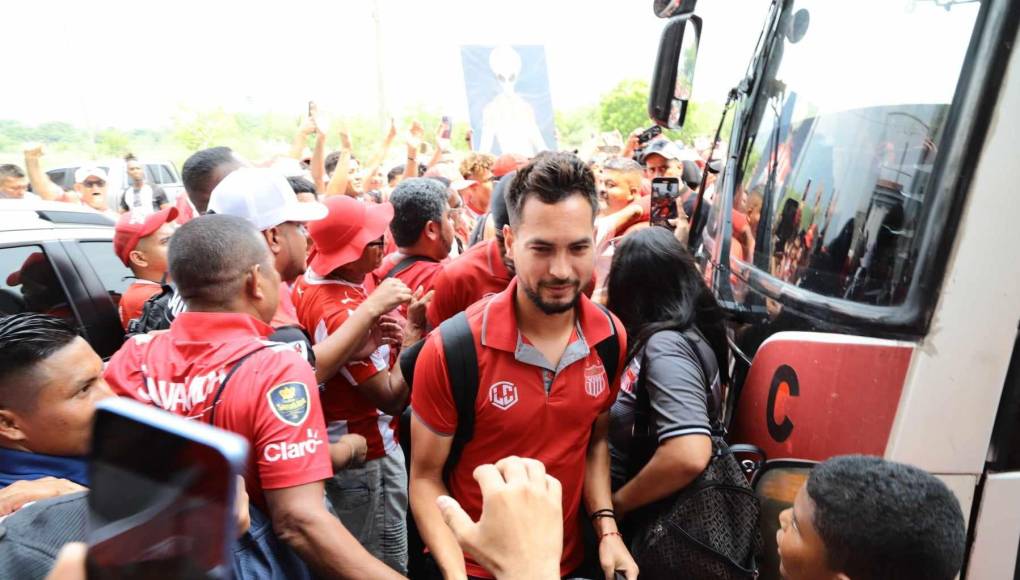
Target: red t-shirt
(322, 306)
(133, 299)
(185, 211)
(419, 274)
(271, 400)
(286, 312)
(515, 413)
(474, 275)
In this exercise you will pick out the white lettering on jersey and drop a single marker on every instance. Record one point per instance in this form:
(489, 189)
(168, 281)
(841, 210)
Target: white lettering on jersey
(179, 398)
(283, 451)
(503, 395)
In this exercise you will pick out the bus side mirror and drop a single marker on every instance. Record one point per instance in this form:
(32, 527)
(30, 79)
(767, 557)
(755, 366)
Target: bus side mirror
(673, 79)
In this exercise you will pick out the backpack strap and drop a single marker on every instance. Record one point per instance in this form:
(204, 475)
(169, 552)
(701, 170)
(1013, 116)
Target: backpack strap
(405, 264)
(223, 384)
(609, 348)
(462, 371)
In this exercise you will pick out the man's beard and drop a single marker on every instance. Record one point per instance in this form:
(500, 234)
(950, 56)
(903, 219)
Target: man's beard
(556, 307)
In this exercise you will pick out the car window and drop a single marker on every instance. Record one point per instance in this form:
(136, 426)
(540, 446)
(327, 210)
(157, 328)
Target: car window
(116, 277)
(62, 177)
(161, 174)
(29, 284)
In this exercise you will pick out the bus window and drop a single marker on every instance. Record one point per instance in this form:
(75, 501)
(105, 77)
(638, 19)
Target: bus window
(835, 169)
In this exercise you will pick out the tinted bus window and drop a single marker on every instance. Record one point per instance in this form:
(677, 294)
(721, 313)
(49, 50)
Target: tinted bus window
(836, 167)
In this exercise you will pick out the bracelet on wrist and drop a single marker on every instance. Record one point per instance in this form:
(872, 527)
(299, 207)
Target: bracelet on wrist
(605, 513)
(603, 536)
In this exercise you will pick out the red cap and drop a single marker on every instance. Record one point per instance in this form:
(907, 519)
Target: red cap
(508, 162)
(348, 228)
(130, 229)
(32, 264)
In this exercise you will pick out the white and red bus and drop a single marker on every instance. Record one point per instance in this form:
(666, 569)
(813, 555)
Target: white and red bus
(863, 240)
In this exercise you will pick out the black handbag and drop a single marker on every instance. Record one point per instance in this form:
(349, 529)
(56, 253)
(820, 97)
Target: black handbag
(709, 529)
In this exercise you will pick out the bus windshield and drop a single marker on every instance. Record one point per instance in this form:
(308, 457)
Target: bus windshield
(834, 167)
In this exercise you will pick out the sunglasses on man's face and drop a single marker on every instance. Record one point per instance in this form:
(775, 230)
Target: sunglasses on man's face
(94, 183)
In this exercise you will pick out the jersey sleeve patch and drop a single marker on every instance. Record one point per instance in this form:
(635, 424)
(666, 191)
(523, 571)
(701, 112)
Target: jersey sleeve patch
(289, 402)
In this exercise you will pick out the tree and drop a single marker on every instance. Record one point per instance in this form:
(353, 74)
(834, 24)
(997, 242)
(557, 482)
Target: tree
(112, 143)
(625, 107)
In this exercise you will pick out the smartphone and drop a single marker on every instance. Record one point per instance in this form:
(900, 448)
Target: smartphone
(649, 134)
(665, 190)
(162, 495)
(311, 108)
(449, 128)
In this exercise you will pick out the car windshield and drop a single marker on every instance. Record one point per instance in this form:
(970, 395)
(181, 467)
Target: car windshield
(836, 164)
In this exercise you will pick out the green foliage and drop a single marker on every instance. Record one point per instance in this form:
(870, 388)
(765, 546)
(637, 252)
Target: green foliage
(625, 107)
(575, 128)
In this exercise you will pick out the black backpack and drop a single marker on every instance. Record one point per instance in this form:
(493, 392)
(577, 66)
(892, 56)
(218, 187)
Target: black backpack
(158, 312)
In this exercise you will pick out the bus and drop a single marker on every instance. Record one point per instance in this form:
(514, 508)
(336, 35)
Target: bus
(861, 239)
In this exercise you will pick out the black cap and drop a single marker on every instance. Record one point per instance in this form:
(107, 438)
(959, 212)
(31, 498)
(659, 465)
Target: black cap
(497, 203)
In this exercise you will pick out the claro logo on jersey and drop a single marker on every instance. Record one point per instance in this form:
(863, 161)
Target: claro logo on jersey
(289, 402)
(283, 451)
(503, 395)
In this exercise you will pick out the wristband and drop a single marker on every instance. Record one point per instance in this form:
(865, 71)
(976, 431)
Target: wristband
(601, 537)
(606, 513)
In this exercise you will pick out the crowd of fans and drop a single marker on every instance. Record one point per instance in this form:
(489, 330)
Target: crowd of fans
(331, 291)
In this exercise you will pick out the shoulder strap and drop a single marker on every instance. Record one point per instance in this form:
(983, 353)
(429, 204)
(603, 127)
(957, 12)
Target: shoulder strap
(405, 264)
(609, 348)
(230, 373)
(462, 371)
(695, 340)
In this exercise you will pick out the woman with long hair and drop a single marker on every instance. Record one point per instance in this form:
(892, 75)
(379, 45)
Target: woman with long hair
(673, 383)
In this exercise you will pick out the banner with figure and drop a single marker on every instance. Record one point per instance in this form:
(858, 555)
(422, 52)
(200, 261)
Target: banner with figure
(508, 99)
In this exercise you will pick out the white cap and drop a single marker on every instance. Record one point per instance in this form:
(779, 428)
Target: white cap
(264, 198)
(88, 171)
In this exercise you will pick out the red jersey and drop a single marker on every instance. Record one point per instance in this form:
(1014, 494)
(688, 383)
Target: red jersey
(185, 211)
(133, 299)
(271, 400)
(323, 305)
(286, 312)
(525, 406)
(420, 273)
(474, 275)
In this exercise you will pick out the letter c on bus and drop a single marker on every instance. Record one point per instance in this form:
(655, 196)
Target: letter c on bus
(785, 375)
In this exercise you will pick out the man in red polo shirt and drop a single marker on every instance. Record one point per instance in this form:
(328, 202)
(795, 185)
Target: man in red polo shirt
(141, 244)
(215, 365)
(543, 391)
(481, 271)
(422, 230)
(364, 395)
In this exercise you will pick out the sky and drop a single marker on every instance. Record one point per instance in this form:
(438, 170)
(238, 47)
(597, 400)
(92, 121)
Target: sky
(135, 64)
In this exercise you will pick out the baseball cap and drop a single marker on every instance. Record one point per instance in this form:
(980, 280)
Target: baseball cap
(263, 197)
(131, 228)
(663, 147)
(348, 228)
(87, 171)
(33, 263)
(508, 162)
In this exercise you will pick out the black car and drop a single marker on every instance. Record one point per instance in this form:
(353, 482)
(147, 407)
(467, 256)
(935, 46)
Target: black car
(58, 259)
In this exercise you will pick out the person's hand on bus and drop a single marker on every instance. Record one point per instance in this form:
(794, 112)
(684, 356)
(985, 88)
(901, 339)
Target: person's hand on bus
(18, 494)
(520, 532)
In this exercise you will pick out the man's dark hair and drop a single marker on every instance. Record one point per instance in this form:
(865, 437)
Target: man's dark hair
(209, 256)
(301, 185)
(130, 157)
(27, 339)
(416, 201)
(551, 178)
(197, 171)
(623, 164)
(884, 520)
(10, 170)
(395, 173)
(332, 160)
(497, 203)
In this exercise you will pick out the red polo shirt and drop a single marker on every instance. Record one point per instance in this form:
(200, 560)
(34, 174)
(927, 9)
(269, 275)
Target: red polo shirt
(524, 407)
(474, 275)
(419, 274)
(322, 306)
(271, 400)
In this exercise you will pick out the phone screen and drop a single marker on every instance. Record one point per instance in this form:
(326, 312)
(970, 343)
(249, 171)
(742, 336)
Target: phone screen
(160, 506)
(449, 128)
(665, 190)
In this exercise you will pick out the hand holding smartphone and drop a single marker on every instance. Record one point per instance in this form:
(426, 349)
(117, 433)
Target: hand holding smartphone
(162, 503)
(665, 191)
